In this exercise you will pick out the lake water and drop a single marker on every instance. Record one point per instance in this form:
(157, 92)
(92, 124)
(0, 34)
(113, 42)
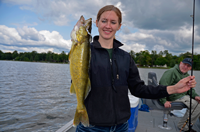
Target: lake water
(35, 96)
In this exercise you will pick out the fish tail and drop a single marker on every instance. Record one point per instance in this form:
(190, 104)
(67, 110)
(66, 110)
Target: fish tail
(81, 116)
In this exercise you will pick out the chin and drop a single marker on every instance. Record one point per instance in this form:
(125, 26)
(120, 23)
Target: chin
(107, 38)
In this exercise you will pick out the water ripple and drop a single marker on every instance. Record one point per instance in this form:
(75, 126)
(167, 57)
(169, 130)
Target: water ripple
(35, 96)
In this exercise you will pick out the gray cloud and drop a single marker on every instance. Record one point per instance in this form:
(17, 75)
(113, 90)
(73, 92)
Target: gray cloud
(157, 24)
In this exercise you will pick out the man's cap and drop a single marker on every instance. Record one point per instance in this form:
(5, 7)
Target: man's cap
(188, 61)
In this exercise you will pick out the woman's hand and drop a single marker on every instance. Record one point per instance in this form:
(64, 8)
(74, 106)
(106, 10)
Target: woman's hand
(182, 86)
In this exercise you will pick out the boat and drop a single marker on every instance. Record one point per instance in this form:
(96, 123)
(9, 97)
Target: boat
(158, 119)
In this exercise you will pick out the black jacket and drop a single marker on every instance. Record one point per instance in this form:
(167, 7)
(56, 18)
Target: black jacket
(108, 103)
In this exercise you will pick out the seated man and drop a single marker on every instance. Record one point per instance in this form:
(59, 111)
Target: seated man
(171, 77)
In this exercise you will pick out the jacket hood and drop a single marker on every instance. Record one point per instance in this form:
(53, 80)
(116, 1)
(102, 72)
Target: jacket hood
(96, 43)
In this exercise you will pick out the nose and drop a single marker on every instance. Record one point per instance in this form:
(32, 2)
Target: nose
(108, 25)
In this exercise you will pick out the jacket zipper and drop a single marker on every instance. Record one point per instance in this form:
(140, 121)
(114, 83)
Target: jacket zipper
(116, 68)
(112, 75)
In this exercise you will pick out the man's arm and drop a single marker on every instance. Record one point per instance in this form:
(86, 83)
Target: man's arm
(166, 80)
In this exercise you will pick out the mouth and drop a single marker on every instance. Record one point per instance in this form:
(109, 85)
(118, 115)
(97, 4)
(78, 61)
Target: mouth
(107, 32)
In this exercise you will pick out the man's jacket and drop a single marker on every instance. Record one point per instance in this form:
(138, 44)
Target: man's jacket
(171, 77)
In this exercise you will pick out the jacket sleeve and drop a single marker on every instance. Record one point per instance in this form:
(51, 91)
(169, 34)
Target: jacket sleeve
(138, 88)
(166, 79)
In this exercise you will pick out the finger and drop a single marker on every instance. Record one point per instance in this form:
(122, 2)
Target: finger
(193, 77)
(192, 81)
(186, 79)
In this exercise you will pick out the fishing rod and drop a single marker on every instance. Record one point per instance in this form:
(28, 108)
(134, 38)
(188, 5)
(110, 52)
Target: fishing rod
(190, 126)
(188, 117)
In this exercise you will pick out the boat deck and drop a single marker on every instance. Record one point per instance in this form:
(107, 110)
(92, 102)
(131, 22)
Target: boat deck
(147, 122)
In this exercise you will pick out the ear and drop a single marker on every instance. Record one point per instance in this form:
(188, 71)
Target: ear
(119, 26)
(97, 23)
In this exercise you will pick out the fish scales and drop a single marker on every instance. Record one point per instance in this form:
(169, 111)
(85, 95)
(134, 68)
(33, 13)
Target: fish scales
(79, 58)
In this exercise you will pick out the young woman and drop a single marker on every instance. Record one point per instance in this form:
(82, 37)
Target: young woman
(112, 72)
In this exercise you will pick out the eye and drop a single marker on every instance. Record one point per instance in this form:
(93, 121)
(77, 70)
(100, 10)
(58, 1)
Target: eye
(113, 22)
(103, 21)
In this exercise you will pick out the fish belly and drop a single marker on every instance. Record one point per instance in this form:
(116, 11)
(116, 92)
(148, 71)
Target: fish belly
(79, 66)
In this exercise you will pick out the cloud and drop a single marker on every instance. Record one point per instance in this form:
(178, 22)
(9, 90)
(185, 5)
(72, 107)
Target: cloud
(30, 34)
(30, 38)
(158, 14)
(134, 47)
(175, 41)
(146, 25)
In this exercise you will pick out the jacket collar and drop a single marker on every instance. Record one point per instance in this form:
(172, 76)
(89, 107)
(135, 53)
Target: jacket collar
(96, 43)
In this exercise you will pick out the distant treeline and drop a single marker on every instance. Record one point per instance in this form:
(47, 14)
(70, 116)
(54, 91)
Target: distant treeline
(143, 58)
(35, 57)
(153, 59)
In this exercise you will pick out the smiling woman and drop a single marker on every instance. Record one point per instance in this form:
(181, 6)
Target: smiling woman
(112, 73)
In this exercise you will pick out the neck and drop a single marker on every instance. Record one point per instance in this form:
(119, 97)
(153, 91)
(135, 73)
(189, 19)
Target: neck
(108, 44)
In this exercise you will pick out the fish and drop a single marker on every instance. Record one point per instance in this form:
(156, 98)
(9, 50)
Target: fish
(79, 59)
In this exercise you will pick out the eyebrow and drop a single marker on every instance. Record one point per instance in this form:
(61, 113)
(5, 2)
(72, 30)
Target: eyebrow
(107, 19)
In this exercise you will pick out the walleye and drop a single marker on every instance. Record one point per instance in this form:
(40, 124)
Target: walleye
(79, 58)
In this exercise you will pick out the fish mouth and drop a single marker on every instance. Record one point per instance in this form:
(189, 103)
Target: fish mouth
(88, 24)
(83, 24)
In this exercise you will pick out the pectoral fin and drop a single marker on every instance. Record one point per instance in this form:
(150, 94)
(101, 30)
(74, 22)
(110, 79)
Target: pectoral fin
(88, 88)
(72, 89)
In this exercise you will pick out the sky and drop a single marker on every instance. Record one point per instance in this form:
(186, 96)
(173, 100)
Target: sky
(45, 25)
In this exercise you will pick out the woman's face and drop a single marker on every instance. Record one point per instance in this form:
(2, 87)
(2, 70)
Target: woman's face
(108, 25)
(184, 67)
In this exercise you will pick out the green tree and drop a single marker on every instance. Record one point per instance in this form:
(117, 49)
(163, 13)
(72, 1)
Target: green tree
(161, 61)
(172, 63)
(160, 53)
(37, 58)
(31, 58)
(25, 59)
(186, 55)
(43, 56)
(1, 55)
(154, 56)
(168, 57)
(8, 56)
(33, 54)
(144, 58)
(14, 54)
(17, 58)
(49, 56)
(63, 56)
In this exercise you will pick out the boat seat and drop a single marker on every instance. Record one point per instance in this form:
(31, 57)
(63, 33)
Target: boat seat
(152, 80)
